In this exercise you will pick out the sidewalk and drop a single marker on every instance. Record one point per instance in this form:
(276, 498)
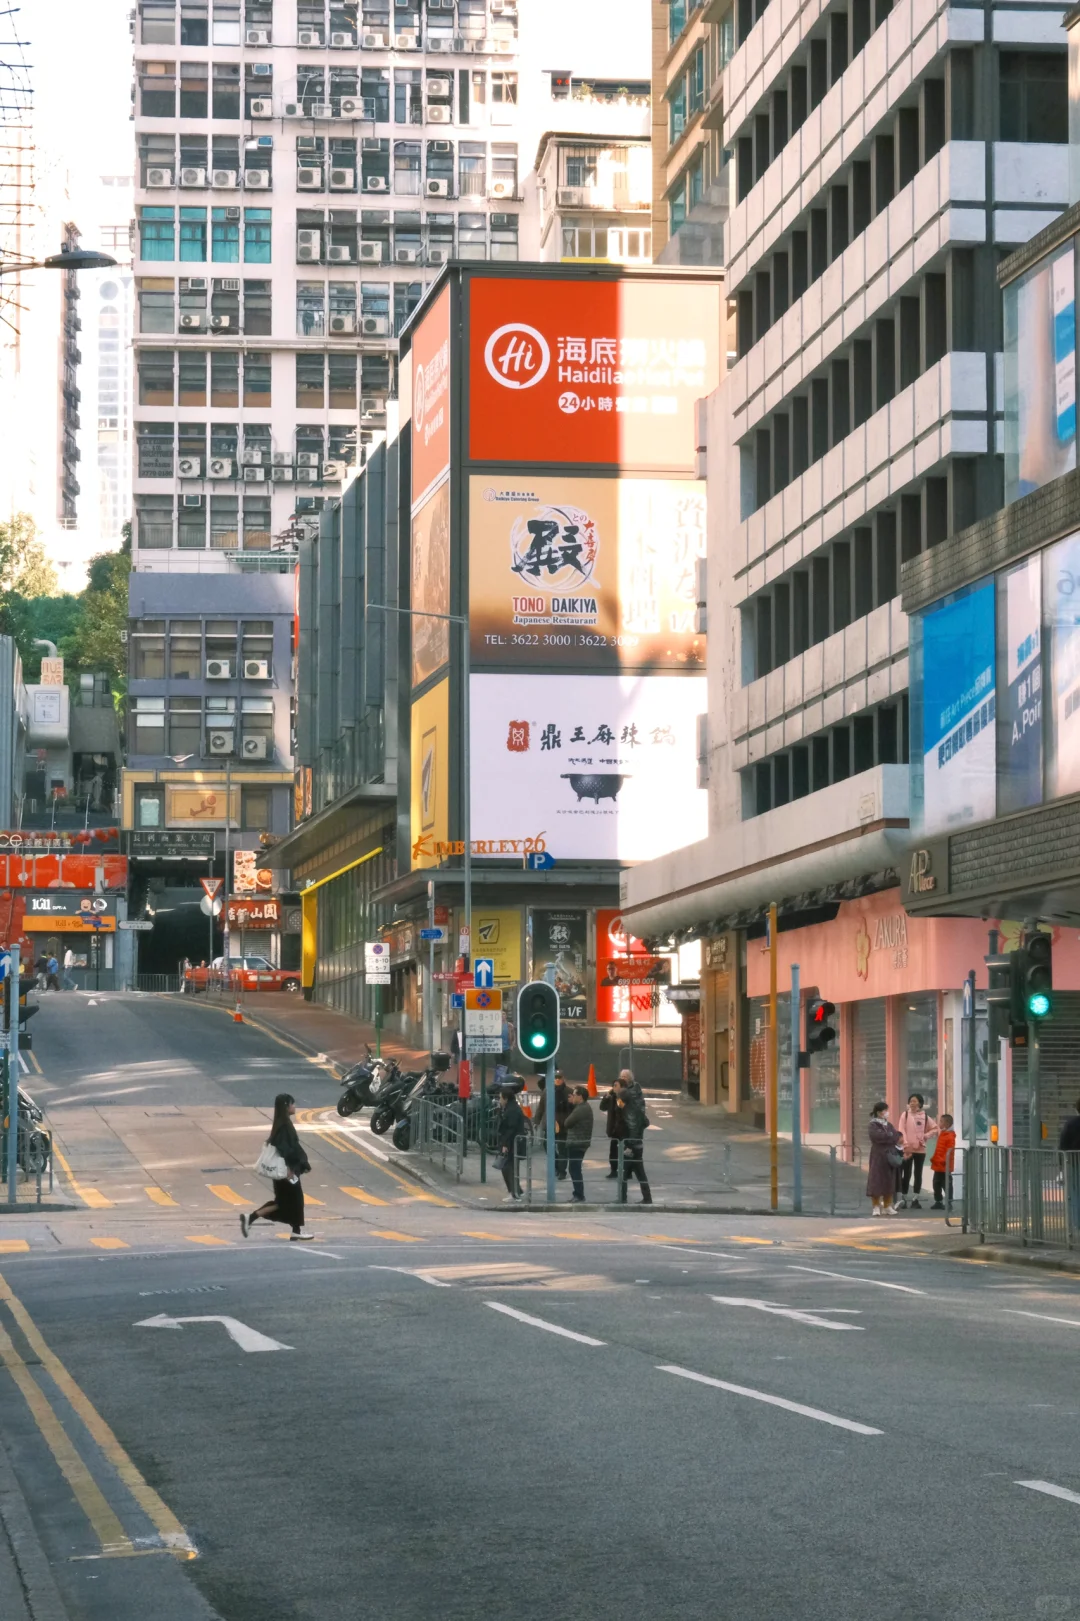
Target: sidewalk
(27, 1589)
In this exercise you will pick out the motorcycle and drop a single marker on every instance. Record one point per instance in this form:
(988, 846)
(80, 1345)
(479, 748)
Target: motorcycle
(431, 1085)
(386, 1107)
(364, 1083)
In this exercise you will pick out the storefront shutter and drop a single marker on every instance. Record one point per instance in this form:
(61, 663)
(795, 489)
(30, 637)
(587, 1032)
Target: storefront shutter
(868, 1066)
(1059, 1071)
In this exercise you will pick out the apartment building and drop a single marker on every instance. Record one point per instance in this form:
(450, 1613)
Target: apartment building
(885, 158)
(593, 172)
(692, 43)
(109, 298)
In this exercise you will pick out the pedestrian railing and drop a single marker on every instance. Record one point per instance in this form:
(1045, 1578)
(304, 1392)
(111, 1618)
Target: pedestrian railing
(157, 983)
(437, 1130)
(1028, 1193)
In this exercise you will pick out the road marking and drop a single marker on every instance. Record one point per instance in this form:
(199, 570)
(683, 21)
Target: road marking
(248, 1339)
(332, 1135)
(402, 1238)
(539, 1322)
(310, 1199)
(719, 1254)
(735, 1239)
(227, 1195)
(846, 1244)
(13, 1246)
(205, 1238)
(380, 1153)
(36, 1066)
(365, 1198)
(168, 1527)
(772, 1401)
(110, 1244)
(425, 1277)
(494, 1238)
(673, 1238)
(902, 1288)
(1048, 1489)
(159, 1196)
(1070, 1322)
(786, 1311)
(89, 1196)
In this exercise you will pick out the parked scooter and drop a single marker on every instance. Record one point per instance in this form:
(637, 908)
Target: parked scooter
(364, 1083)
(433, 1086)
(386, 1108)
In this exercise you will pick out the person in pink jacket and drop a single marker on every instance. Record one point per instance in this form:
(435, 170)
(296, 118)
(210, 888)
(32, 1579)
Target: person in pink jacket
(915, 1126)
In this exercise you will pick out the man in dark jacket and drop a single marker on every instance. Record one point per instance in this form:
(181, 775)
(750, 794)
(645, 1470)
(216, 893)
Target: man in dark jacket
(562, 1109)
(578, 1128)
(616, 1125)
(511, 1134)
(631, 1106)
(1069, 1143)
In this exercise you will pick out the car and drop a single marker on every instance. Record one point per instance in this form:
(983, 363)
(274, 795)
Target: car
(249, 973)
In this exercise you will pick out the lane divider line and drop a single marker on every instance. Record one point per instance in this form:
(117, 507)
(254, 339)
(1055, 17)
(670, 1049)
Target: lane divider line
(772, 1401)
(850, 1277)
(1069, 1322)
(1048, 1489)
(13, 1246)
(796, 1315)
(110, 1244)
(205, 1238)
(227, 1195)
(159, 1514)
(539, 1322)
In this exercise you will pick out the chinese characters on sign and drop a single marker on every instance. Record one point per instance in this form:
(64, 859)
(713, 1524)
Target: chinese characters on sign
(254, 914)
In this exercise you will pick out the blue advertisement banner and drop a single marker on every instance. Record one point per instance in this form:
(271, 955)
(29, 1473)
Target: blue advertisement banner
(1020, 729)
(959, 711)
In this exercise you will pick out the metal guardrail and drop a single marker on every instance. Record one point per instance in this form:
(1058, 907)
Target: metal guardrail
(1028, 1193)
(437, 1131)
(156, 983)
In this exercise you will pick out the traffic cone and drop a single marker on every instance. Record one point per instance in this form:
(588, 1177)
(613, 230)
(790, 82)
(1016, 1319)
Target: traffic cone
(238, 1017)
(591, 1087)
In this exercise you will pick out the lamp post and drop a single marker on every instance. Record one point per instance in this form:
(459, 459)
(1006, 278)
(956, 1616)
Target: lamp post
(68, 259)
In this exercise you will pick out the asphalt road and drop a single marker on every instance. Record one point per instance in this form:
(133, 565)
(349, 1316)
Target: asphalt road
(511, 1415)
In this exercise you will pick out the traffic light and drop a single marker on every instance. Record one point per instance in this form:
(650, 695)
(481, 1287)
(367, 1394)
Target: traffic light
(26, 984)
(820, 1034)
(538, 1020)
(1002, 995)
(1038, 969)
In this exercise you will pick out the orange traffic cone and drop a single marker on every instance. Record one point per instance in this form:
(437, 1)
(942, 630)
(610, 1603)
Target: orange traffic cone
(238, 1017)
(591, 1086)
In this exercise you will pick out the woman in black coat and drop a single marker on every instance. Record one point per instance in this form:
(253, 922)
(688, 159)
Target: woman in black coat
(287, 1205)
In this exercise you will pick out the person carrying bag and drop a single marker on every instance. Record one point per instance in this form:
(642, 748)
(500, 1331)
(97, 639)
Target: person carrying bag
(282, 1162)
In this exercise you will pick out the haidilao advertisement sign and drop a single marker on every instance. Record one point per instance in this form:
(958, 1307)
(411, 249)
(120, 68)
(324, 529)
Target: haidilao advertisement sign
(590, 373)
(431, 397)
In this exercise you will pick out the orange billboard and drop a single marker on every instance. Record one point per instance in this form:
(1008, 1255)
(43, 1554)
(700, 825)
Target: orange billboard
(430, 357)
(590, 574)
(603, 372)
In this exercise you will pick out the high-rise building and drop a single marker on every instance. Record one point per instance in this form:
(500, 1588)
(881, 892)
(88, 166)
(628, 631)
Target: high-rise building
(693, 41)
(108, 298)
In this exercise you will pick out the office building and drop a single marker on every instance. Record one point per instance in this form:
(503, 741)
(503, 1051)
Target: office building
(692, 43)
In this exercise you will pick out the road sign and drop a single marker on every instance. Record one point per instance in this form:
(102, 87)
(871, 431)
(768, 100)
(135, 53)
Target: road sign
(208, 907)
(479, 1045)
(539, 861)
(137, 925)
(483, 973)
(376, 962)
(482, 1022)
(212, 886)
(434, 933)
(969, 993)
(448, 976)
(5, 965)
(491, 1000)
(457, 999)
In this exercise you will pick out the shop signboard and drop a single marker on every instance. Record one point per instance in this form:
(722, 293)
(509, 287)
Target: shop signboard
(498, 936)
(1020, 727)
(254, 913)
(430, 411)
(67, 911)
(1040, 375)
(627, 974)
(959, 710)
(1061, 597)
(430, 766)
(560, 955)
(174, 843)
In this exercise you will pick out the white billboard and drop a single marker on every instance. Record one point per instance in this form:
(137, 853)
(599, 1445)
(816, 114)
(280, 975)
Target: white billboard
(603, 768)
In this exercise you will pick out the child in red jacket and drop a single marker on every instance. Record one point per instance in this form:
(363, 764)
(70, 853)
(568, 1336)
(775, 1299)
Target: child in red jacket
(942, 1162)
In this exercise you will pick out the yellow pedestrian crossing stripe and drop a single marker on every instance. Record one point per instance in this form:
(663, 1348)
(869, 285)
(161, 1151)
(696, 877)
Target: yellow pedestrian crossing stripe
(160, 1197)
(109, 1244)
(205, 1238)
(402, 1238)
(13, 1246)
(365, 1198)
(227, 1195)
(496, 1238)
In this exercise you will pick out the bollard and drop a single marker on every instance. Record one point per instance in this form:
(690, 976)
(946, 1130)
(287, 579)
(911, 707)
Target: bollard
(832, 1179)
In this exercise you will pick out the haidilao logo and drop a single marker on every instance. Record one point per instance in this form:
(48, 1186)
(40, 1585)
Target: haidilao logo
(516, 355)
(419, 397)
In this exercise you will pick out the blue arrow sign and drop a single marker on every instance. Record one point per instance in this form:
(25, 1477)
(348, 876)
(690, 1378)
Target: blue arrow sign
(433, 934)
(484, 973)
(5, 965)
(457, 999)
(539, 861)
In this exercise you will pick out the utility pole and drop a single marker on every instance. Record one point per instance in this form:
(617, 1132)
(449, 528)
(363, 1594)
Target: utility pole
(774, 1064)
(796, 1093)
(11, 1064)
(993, 1046)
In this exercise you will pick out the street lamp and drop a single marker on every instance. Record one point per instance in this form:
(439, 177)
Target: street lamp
(68, 259)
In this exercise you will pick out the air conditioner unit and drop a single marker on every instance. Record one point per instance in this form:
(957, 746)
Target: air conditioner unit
(193, 284)
(371, 143)
(406, 42)
(256, 669)
(219, 669)
(224, 179)
(221, 467)
(373, 42)
(191, 323)
(227, 284)
(257, 36)
(307, 475)
(501, 188)
(333, 472)
(193, 177)
(309, 37)
(437, 188)
(220, 323)
(309, 179)
(356, 107)
(189, 467)
(251, 458)
(254, 475)
(406, 256)
(342, 324)
(294, 109)
(440, 146)
(339, 256)
(341, 42)
(322, 109)
(342, 179)
(375, 182)
(372, 405)
(232, 214)
(375, 326)
(219, 742)
(282, 458)
(159, 177)
(281, 475)
(436, 42)
(261, 107)
(437, 256)
(257, 179)
(308, 246)
(438, 87)
(307, 458)
(255, 748)
(460, 45)
(260, 70)
(191, 500)
(437, 115)
(371, 253)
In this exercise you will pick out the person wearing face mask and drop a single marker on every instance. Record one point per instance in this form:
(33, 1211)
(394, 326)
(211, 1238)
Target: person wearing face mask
(886, 1157)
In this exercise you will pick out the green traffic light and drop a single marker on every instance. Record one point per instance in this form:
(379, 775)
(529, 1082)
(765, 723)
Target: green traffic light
(1038, 1004)
(537, 1040)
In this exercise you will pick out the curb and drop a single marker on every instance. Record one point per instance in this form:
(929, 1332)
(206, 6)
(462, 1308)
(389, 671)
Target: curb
(42, 1595)
(1008, 1257)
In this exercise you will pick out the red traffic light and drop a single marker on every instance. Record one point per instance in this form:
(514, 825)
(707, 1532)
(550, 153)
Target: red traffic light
(819, 1032)
(821, 1012)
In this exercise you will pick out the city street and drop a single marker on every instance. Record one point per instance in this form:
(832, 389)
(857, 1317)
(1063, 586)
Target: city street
(541, 1415)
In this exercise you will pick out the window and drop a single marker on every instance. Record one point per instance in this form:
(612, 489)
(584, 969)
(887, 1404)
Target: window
(193, 376)
(192, 298)
(676, 19)
(257, 720)
(224, 517)
(408, 101)
(581, 169)
(221, 718)
(185, 650)
(342, 301)
(191, 525)
(193, 150)
(226, 97)
(256, 379)
(226, 22)
(223, 439)
(193, 23)
(504, 236)
(407, 296)
(149, 806)
(257, 642)
(472, 169)
(157, 85)
(157, 233)
(185, 726)
(1034, 96)
(159, 22)
(157, 369)
(309, 442)
(225, 303)
(257, 236)
(224, 377)
(310, 309)
(407, 168)
(342, 446)
(193, 93)
(154, 517)
(193, 235)
(155, 441)
(695, 83)
(677, 109)
(255, 809)
(504, 170)
(148, 650)
(147, 734)
(341, 371)
(257, 309)
(156, 152)
(256, 523)
(375, 299)
(225, 235)
(504, 89)
(472, 236)
(310, 382)
(343, 82)
(375, 87)
(310, 87)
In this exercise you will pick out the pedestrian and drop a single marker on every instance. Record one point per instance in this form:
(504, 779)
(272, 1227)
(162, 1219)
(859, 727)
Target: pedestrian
(561, 1110)
(69, 963)
(287, 1205)
(915, 1127)
(1069, 1143)
(578, 1129)
(41, 967)
(511, 1132)
(52, 974)
(630, 1102)
(942, 1162)
(886, 1157)
(615, 1124)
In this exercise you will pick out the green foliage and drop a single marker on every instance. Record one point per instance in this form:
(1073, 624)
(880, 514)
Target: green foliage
(94, 645)
(24, 565)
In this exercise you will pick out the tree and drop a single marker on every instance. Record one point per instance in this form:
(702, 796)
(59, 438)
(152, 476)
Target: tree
(24, 566)
(95, 643)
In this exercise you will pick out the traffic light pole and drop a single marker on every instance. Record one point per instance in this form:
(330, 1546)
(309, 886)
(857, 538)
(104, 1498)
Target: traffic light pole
(774, 1066)
(549, 1127)
(11, 1063)
(796, 1093)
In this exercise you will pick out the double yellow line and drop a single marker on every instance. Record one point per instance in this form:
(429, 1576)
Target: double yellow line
(341, 1140)
(104, 1521)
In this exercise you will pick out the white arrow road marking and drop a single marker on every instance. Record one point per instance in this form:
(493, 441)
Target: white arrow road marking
(786, 1311)
(1050, 1490)
(248, 1339)
(774, 1401)
(850, 1277)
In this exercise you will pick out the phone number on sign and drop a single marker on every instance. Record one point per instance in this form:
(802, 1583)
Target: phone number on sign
(561, 639)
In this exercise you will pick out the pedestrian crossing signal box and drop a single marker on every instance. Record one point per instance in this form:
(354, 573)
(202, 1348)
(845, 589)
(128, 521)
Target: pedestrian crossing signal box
(538, 1021)
(820, 1033)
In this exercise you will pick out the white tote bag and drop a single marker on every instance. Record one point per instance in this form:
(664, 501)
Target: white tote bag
(271, 1165)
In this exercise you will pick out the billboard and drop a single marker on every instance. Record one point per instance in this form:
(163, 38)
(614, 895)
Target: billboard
(592, 574)
(1040, 375)
(616, 951)
(559, 955)
(598, 373)
(604, 767)
(959, 724)
(497, 934)
(430, 407)
(1020, 731)
(430, 574)
(430, 763)
(1061, 598)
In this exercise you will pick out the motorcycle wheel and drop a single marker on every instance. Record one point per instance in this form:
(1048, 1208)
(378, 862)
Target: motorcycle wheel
(402, 1138)
(382, 1120)
(348, 1105)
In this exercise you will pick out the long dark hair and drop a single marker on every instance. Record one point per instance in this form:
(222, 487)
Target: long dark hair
(282, 1130)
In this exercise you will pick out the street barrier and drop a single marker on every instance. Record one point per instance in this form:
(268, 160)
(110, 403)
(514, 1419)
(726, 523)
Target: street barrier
(1028, 1193)
(157, 983)
(436, 1130)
